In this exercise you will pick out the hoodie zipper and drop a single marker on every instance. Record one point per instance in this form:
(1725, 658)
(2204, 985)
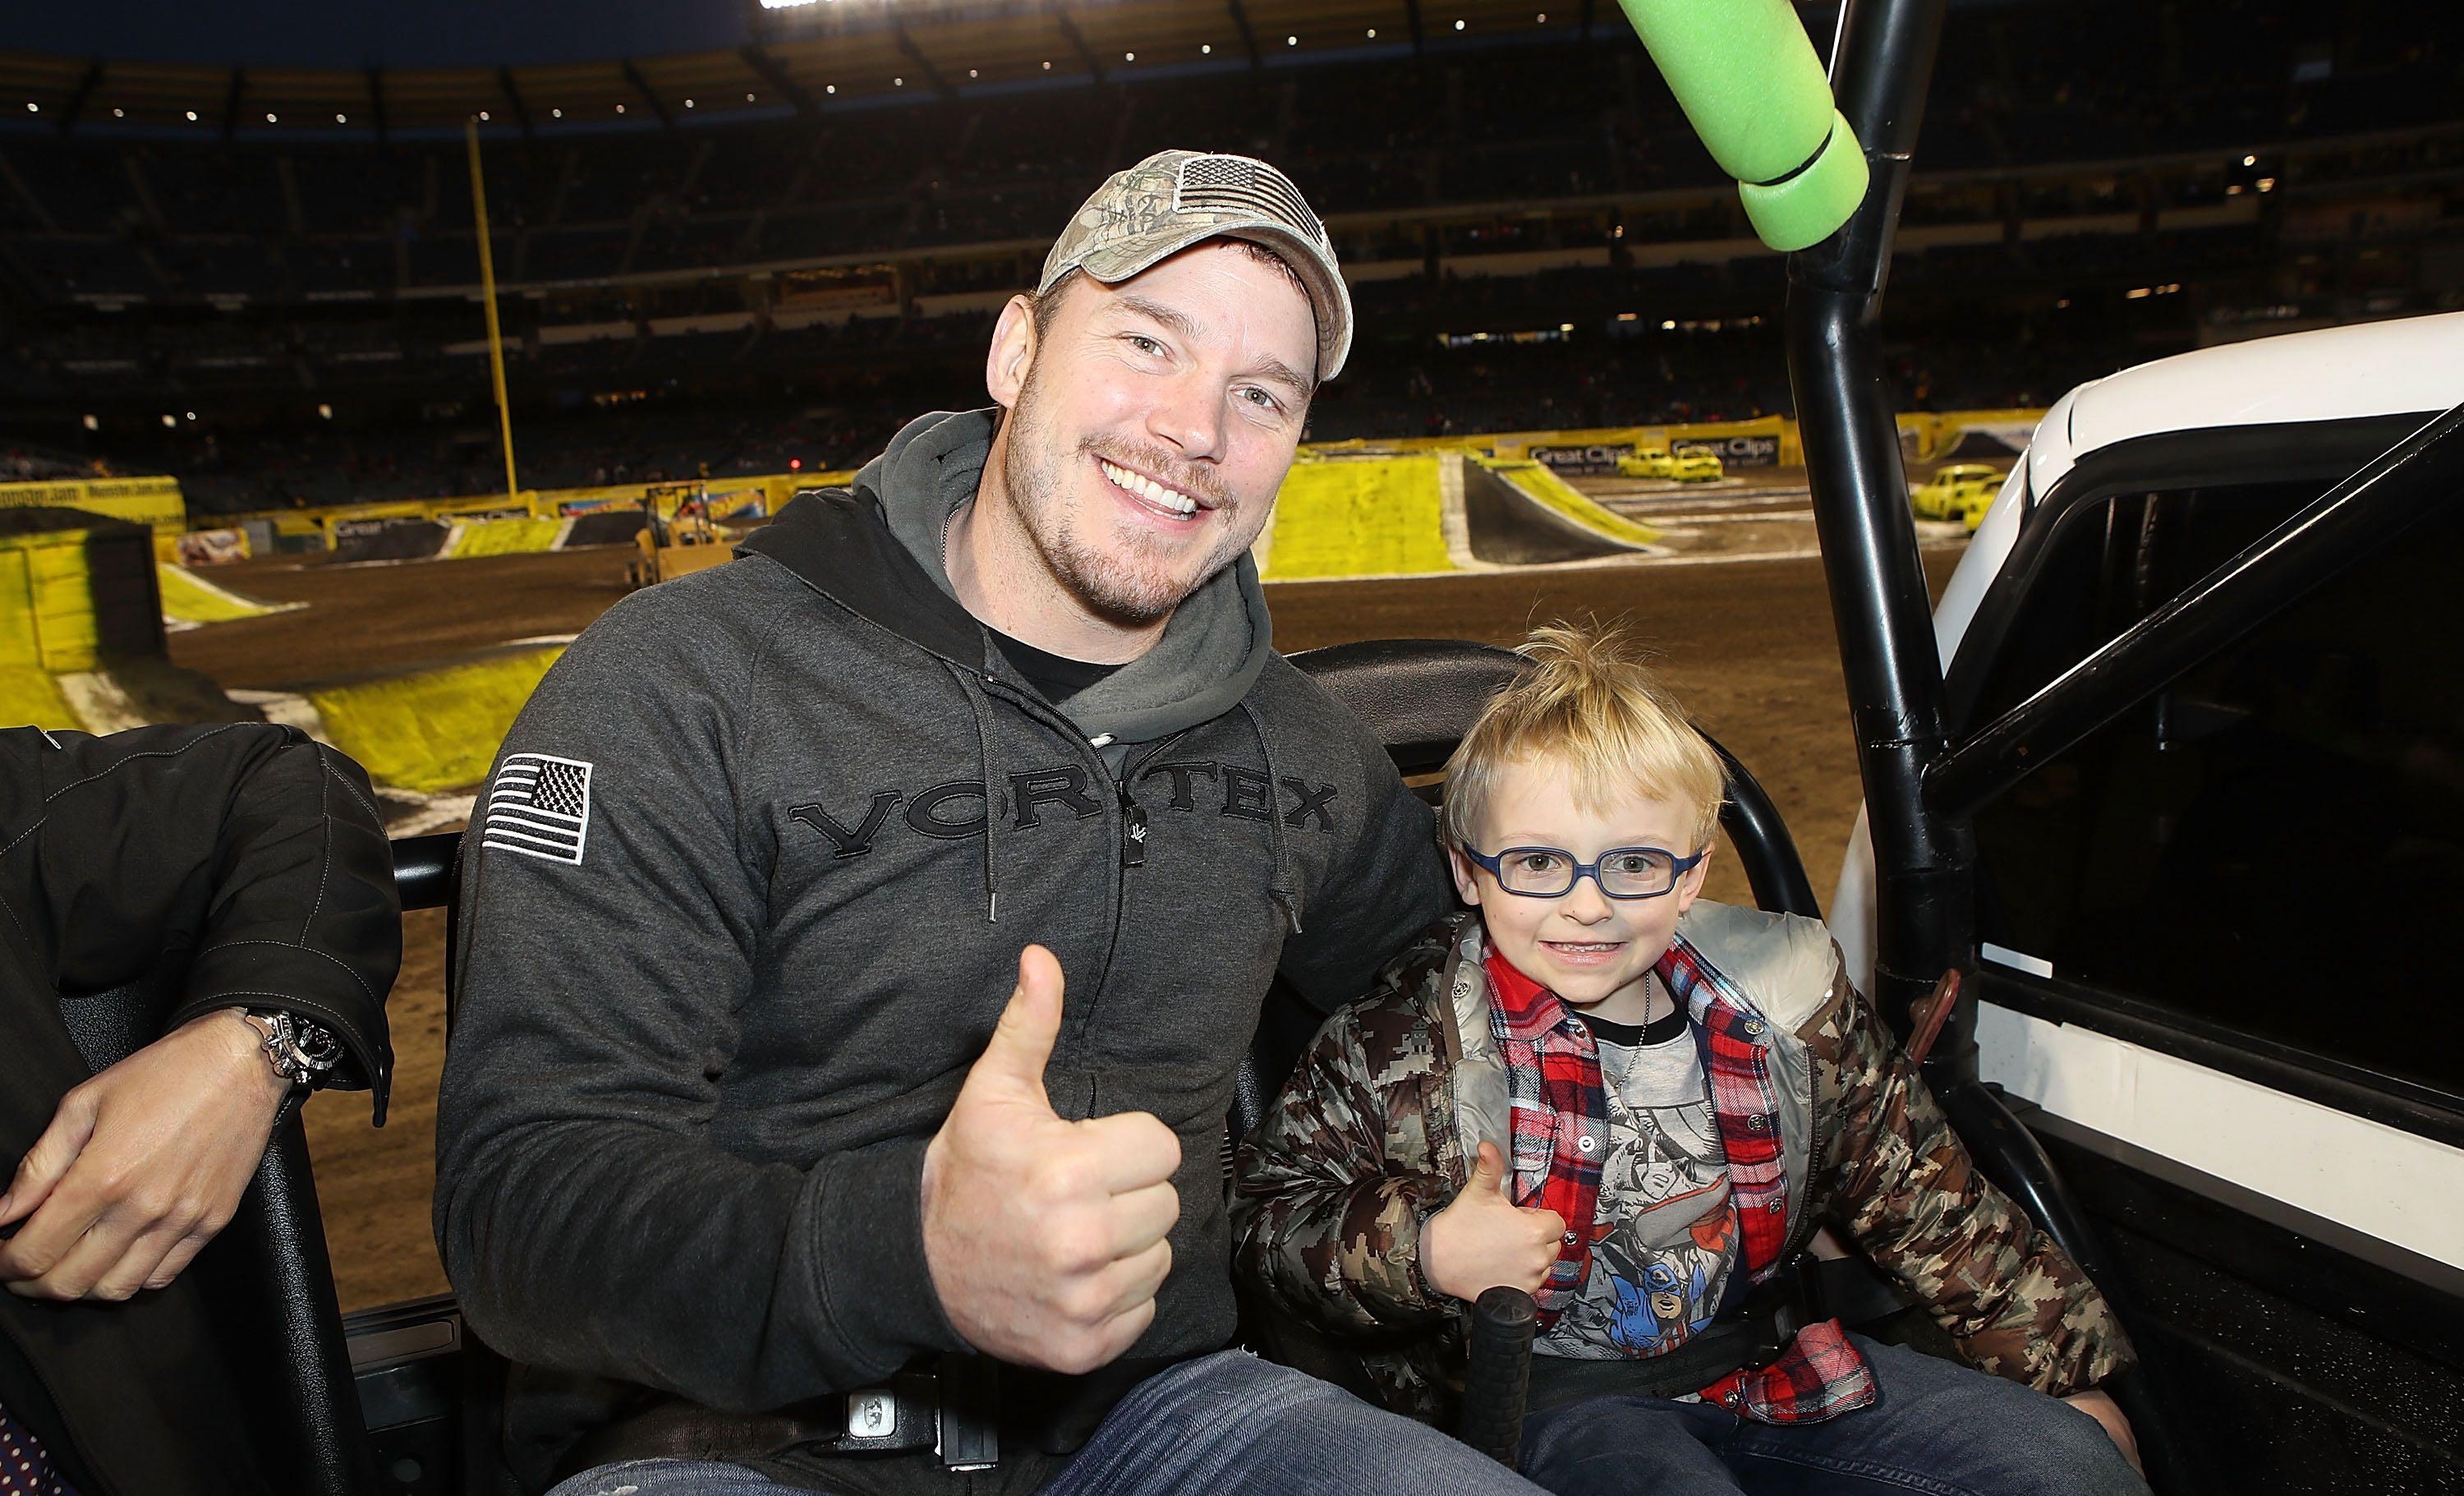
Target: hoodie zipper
(1133, 851)
(1133, 828)
(1134, 824)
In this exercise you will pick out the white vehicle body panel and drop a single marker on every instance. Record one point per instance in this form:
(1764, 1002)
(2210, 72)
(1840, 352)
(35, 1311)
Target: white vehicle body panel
(2395, 1185)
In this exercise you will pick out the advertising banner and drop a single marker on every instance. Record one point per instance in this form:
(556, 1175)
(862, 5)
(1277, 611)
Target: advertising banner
(211, 547)
(1744, 450)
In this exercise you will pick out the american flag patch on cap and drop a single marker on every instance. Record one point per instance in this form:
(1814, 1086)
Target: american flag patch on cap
(539, 806)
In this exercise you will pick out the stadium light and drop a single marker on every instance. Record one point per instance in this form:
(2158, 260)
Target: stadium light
(192, 117)
(620, 108)
(556, 113)
(341, 119)
(2250, 161)
(169, 420)
(270, 119)
(748, 99)
(93, 424)
(1129, 56)
(325, 411)
(1459, 25)
(689, 103)
(483, 117)
(898, 82)
(1291, 41)
(1207, 49)
(32, 107)
(832, 88)
(193, 415)
(1047, 64)
(1373, 34)
(972, 73)
(120, 113)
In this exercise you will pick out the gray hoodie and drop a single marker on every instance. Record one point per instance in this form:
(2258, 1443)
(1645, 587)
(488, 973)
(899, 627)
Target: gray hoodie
(739, 912)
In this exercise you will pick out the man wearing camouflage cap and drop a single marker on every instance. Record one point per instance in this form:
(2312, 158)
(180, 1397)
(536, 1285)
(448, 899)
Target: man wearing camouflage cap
(859, 939)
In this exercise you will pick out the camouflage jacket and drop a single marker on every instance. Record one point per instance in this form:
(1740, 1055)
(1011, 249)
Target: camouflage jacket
(1374, 1130)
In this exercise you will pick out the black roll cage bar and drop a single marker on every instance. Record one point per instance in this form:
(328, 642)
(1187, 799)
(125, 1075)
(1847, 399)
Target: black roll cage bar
(1922, 788)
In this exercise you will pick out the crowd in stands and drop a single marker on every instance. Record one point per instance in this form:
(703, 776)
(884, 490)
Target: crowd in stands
(2016, 85)
(25, 464)
(1735, 372)
(259, 282)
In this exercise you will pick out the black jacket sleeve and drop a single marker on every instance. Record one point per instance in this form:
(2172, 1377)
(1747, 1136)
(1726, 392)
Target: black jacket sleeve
(253, 849)
(1390, 886)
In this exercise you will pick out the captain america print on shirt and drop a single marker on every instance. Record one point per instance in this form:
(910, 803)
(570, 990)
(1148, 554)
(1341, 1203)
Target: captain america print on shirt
(1664, 1229)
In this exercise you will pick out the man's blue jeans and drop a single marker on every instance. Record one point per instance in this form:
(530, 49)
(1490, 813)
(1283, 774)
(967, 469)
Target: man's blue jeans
(1937, 1428)
(1227, 1424)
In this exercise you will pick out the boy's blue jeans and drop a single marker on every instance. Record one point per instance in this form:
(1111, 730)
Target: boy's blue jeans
(1937, 1428)
(1227, 1424)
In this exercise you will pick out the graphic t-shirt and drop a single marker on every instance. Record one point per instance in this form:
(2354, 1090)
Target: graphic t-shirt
(1668, 1234)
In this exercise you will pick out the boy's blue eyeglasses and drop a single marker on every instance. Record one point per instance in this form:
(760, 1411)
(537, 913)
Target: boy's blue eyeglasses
(1552, 871)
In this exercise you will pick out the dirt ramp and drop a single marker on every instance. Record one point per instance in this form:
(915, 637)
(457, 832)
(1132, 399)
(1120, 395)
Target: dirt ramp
(603, 527)
(1979, 444)
(1520, 514)
(408, 539)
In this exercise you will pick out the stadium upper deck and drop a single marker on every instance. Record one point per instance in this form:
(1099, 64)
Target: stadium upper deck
(1518, 112)
(2090, 203)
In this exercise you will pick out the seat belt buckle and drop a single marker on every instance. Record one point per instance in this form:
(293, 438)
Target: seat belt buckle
(887, 1417)
(970, 1412)
(1781, 1305)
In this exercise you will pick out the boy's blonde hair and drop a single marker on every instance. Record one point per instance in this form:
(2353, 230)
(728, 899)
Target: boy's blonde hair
(1589, 702)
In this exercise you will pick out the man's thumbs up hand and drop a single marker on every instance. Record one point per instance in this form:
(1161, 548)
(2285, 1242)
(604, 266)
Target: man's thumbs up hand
(1010, 1072)
(1045, 1237)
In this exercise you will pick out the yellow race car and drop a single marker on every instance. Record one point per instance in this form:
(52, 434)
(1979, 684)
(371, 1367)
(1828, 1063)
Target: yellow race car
(1690, 465)
(1963, 491)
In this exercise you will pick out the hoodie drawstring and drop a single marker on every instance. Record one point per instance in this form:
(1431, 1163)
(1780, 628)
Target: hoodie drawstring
(1283, 891)
(983, 708)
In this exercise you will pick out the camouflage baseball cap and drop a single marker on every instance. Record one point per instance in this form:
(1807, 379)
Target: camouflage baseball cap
(1177, 198)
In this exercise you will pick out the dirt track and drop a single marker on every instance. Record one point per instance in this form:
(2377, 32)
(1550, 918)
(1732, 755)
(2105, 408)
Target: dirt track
(1749, 645)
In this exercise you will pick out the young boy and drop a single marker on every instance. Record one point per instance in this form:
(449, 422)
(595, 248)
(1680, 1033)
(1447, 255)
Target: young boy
(1640, 1106)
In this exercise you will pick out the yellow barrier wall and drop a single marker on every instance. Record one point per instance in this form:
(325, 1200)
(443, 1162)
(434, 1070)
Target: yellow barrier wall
(47, 601)
(437, 729)
(152, 501)
(1359, 517)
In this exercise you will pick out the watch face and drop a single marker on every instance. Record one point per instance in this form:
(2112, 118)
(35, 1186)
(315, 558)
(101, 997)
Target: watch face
(317, 1046)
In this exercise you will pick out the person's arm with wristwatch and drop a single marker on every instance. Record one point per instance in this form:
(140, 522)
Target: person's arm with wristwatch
(253, 857)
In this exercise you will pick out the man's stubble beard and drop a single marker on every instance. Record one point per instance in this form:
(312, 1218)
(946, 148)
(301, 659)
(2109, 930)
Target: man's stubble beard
(1130, 592)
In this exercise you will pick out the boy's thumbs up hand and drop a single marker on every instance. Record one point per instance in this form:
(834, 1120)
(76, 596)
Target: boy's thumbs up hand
(1045, 1237)
(1482, 1239)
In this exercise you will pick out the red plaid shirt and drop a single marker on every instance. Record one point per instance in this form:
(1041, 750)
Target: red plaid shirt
(1558, 1101)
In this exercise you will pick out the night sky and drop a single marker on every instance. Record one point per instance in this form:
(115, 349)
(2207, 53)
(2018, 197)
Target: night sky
(396, 33)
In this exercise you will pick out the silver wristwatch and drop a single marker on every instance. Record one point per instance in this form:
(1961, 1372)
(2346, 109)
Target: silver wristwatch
(301, 1053)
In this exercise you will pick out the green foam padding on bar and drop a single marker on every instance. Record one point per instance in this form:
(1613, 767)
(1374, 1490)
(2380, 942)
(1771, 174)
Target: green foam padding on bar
(1745, 77)
(1810, 206)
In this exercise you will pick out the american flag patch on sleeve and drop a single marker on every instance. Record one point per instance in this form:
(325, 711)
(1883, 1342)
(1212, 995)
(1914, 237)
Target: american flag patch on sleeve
(539, 806)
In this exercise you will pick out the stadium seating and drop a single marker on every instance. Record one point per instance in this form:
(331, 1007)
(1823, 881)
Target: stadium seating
(1514, 188)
